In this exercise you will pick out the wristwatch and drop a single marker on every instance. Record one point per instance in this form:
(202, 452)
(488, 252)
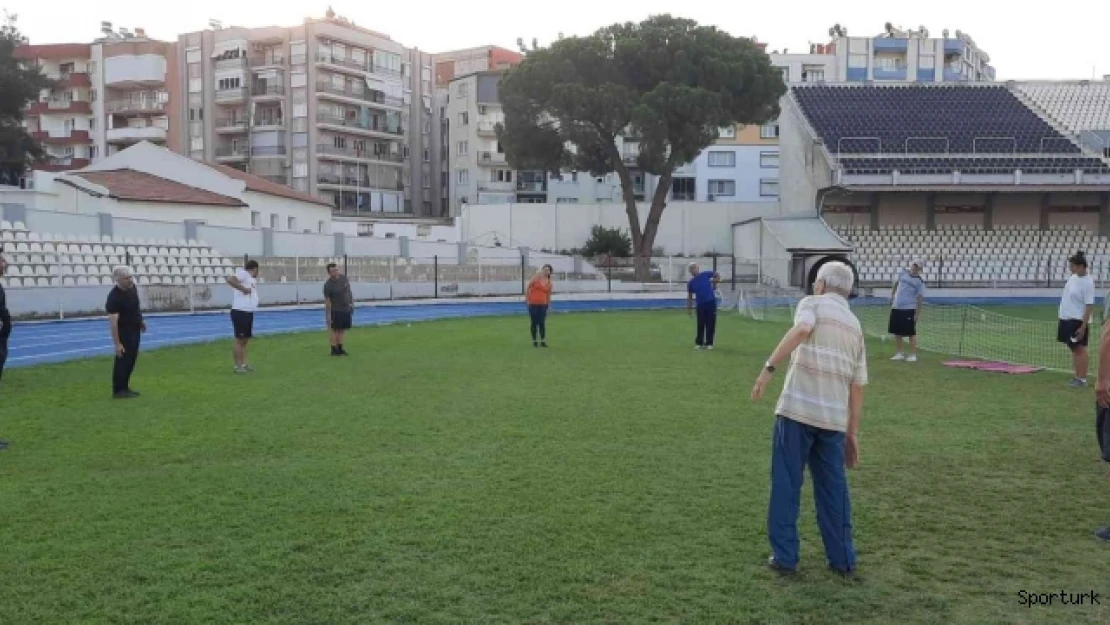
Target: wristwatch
(769, 367)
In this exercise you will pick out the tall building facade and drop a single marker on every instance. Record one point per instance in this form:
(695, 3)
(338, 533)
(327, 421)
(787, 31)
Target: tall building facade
(327, 107)
(106, 96)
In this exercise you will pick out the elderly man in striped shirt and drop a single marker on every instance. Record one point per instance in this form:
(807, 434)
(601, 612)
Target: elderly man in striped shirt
(817, 422)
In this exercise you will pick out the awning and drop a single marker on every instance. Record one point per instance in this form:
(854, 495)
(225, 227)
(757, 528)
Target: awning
(805, 234)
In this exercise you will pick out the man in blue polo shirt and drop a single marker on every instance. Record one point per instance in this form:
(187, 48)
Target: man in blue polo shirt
(701, 289)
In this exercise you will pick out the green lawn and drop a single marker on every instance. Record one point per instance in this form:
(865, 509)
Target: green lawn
(448, 472)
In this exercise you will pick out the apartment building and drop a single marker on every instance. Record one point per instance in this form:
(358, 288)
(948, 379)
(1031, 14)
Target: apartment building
(327, 107)
(741, 166)
(107, 95)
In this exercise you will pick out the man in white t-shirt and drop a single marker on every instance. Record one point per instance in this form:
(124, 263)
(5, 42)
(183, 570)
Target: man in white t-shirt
(243, 304)
(1076, 306)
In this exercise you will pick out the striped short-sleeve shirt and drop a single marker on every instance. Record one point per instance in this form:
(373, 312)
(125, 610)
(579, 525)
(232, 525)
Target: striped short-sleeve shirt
(824, 367)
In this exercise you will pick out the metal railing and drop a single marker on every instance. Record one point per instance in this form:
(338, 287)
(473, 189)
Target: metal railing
(374, 97)
(231, 124)
(232, 152)
(231, 95)
(395, 157)
(267, 90)
(325, 118)
(268, 150)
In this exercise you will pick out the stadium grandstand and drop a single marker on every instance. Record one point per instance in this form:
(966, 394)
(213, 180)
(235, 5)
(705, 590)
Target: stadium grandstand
(42, 259)
(993, 185)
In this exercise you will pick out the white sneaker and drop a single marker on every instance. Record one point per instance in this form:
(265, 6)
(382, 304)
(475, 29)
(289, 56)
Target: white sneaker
(899, 356)
(697, 347)
(911, 358)
(710, 347)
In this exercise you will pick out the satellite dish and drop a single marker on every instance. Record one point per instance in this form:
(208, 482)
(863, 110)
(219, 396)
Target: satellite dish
(944, 33)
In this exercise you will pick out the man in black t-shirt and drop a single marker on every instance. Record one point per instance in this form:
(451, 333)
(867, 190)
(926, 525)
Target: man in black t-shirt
(5, 329)
(125, 318)
(339, 307)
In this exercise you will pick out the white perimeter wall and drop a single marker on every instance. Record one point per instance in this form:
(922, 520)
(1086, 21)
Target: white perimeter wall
(686, 228)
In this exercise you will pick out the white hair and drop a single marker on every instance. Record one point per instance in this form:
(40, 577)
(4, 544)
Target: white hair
(121, 272)
(838, 277)
(692, 267)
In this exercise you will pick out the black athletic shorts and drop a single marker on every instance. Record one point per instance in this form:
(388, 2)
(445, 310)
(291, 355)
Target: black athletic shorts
(340, 320)
(243, 324)
(1102, 429)
(902, 323)
(1067, 330)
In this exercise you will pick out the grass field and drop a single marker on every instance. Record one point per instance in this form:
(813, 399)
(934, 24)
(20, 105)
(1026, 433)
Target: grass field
(450, 473)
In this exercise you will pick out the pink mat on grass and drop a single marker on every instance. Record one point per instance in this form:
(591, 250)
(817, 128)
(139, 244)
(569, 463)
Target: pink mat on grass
(996, 367)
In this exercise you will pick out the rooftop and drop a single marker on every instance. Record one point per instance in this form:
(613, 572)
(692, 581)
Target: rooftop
(135, 186)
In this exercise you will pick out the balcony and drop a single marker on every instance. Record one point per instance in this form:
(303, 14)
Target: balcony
(227, 96)
(135, 106)
(282, 180)
(61, 164)
(232, 153)
(231, 125)
(268, 123)
(325, 150)
(59, 106)
(347, 64)
(136, 134)
(327, 89)
(265, 151)
(259, 62)
(356, 125)
(496, 186)
(491, 158)
(75, 137)
(74, 79)
(231, 63)
(268, 91)
(487, 129)
(135, 70)
(347, 181)
(531, 187)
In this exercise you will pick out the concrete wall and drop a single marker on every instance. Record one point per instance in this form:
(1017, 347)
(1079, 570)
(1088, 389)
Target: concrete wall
(803, 169)
(686, 228)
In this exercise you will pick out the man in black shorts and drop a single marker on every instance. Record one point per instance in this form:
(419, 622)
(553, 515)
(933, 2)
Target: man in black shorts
(243, 304)
(339, 307)
(1102, 410)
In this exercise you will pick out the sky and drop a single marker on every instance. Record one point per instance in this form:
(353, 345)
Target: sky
(1023, 44)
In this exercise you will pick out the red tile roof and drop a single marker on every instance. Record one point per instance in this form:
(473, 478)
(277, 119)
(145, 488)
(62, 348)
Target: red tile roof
(137, 186)
(261, 185)
(54, 51)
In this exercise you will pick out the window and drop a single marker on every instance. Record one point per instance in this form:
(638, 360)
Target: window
(683, 189)
(463, 90)
(722, 188)
(722, 159)
(768, 187)
(463, 148)
(300, 110)
(768, 160)
(813, 74)
(196, 85)
(566, 200)
(232, 82)
(425, 74)
(298, 79)
(192, 56)
(464, 176)
(92, 123)
(300, 170)
(274, 222)
(197, 143)
(890, 62)
(427, 156)
(292, 222)
(769, 131)
(340, 142)
(256, 219)
(464, 118)
(197, 114)
(727, 132)
(93, 152)
(320, 227)
(92, 95)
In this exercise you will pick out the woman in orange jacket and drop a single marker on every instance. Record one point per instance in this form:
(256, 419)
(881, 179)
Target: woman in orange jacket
(538, 298)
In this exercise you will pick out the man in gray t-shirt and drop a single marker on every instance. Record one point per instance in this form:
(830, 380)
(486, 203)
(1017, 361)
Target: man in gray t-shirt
(906, 300)
(339, 307)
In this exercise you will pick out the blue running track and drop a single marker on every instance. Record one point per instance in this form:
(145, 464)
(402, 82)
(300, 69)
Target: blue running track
(59, 341)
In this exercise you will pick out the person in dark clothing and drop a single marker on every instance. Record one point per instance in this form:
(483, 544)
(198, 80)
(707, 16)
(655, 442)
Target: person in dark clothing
(5, 329)
(339, 308)
(702, 289)
(125, 318)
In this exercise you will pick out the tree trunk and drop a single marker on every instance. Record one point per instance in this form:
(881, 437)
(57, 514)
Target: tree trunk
(651, 227)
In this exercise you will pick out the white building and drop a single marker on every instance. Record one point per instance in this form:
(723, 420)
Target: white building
(149, 182)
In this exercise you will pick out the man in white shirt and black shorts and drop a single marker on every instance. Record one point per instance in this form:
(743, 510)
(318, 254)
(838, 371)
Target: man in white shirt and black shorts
(243, 304)
(1076, 307)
